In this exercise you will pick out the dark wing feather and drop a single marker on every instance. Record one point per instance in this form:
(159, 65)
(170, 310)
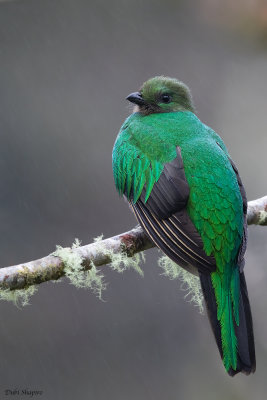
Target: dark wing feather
(165, 219)
(243, 245)
(170, 193)
(246, 361)
(246, 350)
(241, 187)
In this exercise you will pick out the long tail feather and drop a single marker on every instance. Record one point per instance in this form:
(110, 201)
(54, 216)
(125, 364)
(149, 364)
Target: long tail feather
(235, 342)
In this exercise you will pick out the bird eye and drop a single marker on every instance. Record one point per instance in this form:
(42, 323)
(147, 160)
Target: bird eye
(165, 98)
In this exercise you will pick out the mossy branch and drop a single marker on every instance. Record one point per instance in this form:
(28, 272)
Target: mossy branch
(257, 212)
(94, 255)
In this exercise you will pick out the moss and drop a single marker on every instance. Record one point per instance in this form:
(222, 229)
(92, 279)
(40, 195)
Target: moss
(94, 279)
(120, 262)
(74, 270)
(20, 297)
(190, 283)
(263, 218)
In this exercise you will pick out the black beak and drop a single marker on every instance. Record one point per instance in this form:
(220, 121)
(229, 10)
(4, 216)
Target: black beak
(136, 98)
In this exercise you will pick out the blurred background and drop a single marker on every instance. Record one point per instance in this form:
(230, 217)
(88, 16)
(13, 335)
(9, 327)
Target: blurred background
(66, 68)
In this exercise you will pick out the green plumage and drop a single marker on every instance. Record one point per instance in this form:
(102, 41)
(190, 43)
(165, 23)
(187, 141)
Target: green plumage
(146, 142)
(143, 146)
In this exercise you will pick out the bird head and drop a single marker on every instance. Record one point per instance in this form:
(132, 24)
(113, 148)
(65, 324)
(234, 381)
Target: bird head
(160, 95)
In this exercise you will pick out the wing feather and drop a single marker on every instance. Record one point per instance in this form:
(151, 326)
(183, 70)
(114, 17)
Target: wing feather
(243, 245)
(164, 217)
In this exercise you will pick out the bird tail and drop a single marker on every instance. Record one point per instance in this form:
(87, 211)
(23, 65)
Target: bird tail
(233, 330)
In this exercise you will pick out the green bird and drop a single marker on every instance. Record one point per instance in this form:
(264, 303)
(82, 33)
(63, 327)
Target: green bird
(187, 195)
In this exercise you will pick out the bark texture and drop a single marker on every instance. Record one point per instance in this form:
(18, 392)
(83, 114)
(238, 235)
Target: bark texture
(134, 241)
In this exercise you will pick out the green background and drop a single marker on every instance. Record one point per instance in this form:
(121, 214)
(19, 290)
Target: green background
(65, 70)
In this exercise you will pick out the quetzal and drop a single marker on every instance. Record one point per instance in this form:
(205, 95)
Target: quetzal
(187, 195)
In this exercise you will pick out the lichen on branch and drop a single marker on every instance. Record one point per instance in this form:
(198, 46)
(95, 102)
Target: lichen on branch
(81, 263)
(189, 283)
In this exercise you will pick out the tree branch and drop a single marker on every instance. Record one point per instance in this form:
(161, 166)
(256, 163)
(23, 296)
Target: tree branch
(257, 212)
(134, 241)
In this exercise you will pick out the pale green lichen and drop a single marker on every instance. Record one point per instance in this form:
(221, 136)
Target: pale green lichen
(120, 262)
(262, 218)
(74, 270)
(190, 283)
(20, 297)
(93, 279)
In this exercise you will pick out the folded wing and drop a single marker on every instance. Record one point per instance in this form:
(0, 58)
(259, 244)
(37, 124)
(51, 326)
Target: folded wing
(165, 219)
